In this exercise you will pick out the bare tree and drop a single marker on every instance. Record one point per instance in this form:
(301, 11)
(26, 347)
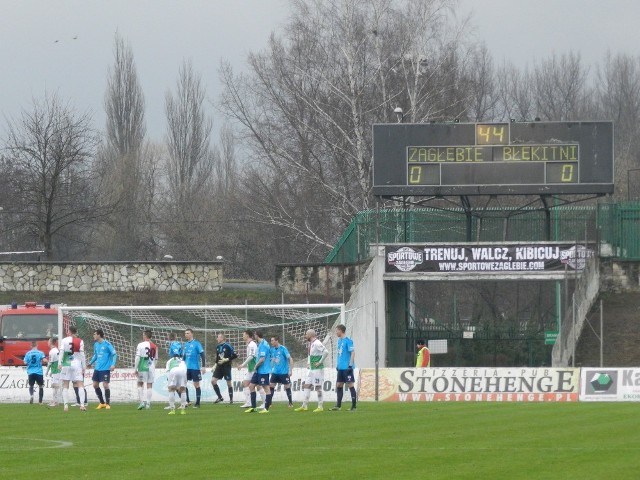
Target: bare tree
(52, 147)
(307, 106)
(189, 167)
(122, 161)
(618, 99)
(560, 86)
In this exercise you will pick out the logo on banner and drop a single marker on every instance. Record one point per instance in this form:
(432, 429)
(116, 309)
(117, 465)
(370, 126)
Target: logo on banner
(576, 256)
(405, 259)
(602, 383)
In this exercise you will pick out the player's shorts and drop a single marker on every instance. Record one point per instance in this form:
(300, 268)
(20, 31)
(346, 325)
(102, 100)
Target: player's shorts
(248, 376)
(177, 378)
(282, 378)
(260, 379)
(345, 376)
(147, 377)
(72, 373)
(36, 378)
(222, 371)
(194, 375)
(101, 376)
(315, 378)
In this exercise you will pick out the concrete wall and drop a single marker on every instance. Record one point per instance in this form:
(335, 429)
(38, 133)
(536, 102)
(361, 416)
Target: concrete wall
(329, 279)
(619, 276)
(110, 276)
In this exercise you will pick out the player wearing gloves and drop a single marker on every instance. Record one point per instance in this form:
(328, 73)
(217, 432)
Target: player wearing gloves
(224, 355)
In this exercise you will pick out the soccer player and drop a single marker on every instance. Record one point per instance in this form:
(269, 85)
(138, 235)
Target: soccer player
(145, 365)
(33, 360)
(175, 346)
(53, 369)
(195, 360)
(261, 373)
(250, 363)
(175, 350)
(224, 355)
(423, 359)
(104, 357)
(73, 366)
(177, 380)
(344, 364)
(281, 368)
(315, 374)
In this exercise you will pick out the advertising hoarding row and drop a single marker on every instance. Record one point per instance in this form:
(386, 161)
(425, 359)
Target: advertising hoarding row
(395, 385)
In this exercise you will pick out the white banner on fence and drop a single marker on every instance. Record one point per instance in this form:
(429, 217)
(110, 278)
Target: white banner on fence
(14, 387)
(471, 384)
(610, 384)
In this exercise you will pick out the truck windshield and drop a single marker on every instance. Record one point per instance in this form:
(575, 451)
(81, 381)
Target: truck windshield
(29, 326)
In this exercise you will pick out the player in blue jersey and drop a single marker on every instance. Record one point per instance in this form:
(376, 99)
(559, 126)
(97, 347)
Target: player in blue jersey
(104, 357)
(345, 362)
(175, 346)
(281, 369)
(33, 360)
(224, 355)
(193, 354)
(261, 373)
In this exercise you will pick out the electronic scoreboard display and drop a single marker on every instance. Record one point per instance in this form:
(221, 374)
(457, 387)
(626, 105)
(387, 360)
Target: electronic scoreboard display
(533, 158)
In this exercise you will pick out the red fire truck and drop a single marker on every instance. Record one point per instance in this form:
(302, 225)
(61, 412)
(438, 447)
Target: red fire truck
(22, 324)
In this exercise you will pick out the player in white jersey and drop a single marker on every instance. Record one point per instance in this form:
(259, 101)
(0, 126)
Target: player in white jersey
(74, 364)
(53, 369)
(250, 364)
(145, 365)
(177, 380)
(315, 375)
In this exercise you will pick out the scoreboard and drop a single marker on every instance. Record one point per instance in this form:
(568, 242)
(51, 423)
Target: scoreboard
(533, 158)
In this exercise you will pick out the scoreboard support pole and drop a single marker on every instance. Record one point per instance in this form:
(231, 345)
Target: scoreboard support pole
(466, 205)
(547, 217)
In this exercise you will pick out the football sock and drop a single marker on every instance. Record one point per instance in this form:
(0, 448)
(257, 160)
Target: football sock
(307, 396)
(247, 392)
(183, 399)
(230, 389)
(65, 396)
(31, 390)
(107, 395)
(253, 399)
(186, 391)
(75, 389)
(339, 394)
(149, 395)
(216, 389)
(40, 394)
(320, 398)
(83, 396)
(352, 390)
(198, 394)
(269, 400)
(172, 399)
(99, 394)
(288, 391)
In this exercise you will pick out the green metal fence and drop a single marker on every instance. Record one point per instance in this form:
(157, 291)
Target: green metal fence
(615, 225)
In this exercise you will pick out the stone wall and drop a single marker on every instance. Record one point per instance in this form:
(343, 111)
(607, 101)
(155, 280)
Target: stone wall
(110, 276)
(329, 279)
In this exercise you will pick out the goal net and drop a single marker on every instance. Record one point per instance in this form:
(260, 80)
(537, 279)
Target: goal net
(123, 326)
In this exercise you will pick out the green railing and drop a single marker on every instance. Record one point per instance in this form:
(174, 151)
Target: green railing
(569, 223)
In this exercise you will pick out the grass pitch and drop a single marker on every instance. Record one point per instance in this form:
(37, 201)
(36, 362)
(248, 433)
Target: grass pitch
(390, 441)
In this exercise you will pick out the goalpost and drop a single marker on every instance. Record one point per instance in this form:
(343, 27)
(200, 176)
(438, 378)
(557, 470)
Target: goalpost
(123, 327)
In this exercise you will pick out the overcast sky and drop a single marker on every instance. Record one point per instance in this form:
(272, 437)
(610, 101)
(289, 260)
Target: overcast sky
(66, 46)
